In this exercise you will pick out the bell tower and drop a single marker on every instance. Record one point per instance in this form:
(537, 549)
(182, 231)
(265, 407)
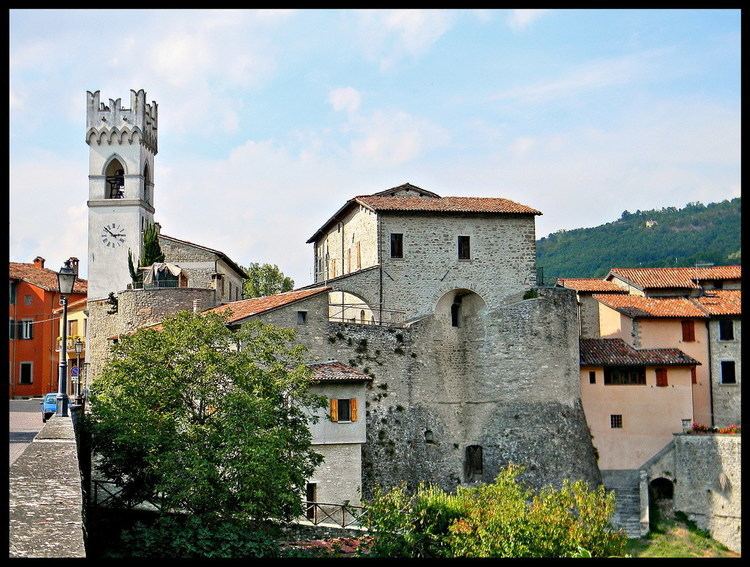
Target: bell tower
(122, 146)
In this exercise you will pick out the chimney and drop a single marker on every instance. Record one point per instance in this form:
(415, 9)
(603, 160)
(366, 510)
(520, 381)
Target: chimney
(196, 305)
(74, 264)
(39, 262)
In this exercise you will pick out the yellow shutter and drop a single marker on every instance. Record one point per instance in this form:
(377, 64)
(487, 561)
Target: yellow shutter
(353, 409)
(334, 410)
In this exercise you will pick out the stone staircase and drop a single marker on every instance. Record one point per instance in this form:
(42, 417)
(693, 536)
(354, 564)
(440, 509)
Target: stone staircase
(626, 485)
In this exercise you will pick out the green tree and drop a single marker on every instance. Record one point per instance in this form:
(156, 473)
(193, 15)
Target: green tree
(219, 431)
(150, 254)
(499, 519)
(265, 279)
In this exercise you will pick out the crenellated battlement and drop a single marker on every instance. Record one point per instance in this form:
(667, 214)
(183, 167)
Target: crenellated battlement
(113, 122)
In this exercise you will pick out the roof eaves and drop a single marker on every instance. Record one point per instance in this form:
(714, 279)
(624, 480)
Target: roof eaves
(330, 221)
(222, 255)
(268, 310)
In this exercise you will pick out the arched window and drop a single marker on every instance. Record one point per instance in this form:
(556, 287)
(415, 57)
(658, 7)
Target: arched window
(146, 184)
(115, 180)
(362, 316)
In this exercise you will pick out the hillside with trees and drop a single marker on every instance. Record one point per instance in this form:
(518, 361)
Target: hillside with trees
(667, 237)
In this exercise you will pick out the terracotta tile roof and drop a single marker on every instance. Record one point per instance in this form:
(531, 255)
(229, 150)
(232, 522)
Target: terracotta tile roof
(636, 306)
(41, 277)
(590, 285)
(407, 187)
(335, 371)
(645, 278)
(247, 307)
(721, 302)
(445, 204)
(616, 352)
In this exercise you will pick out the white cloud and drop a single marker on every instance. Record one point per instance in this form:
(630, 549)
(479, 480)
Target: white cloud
(346, 98)
(521, 19)
(389, 36)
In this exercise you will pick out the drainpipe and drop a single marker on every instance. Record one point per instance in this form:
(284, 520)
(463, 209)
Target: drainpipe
(710, 373)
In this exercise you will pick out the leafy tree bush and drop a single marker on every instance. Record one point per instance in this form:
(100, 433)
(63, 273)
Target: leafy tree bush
(216, 431)
(265, 279)
(499, 519)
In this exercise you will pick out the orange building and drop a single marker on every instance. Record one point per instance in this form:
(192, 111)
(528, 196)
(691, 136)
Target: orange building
(33, 327)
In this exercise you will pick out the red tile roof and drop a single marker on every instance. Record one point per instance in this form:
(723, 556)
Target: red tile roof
(645, 278)
(590, 285)
(636, 306)
(334, 371)
(247, 307)
(721, 302)
(616, 352)
(445, 204)
(41, 277)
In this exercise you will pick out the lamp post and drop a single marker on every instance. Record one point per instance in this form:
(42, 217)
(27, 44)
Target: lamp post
(77, 378)
(66, 278)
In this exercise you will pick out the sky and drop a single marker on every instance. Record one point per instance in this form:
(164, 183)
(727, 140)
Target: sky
(270, 120)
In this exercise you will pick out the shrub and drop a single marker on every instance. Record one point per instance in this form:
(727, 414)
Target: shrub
(500, 519)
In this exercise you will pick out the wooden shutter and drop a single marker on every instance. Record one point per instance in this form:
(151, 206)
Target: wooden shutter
(688, 331)
(661, 377)
(693, 376)
(359, 257)
(353, 409)
(334, 410)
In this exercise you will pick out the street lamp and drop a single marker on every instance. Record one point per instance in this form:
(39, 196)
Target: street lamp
(66, 278)
(77, 378)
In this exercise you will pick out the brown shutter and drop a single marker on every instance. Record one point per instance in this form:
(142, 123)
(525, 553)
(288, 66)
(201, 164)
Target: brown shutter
(334, 410)
(359, 257)
(661, 377)
(693, 375)
(688, 331)
(353, 409)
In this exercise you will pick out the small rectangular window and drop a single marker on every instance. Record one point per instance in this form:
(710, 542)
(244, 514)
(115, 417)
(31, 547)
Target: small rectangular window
(397, 245)
(615, 421)
(592, 377)
(473, 463)
(661, 377)
(727, 372)
(344, 410)
(693, 375)
(726, 330)
(26, 330)
(11, 329)
(625, 375)
(301, 317)
(12, 289)
(72, 328)
(28, 299)
(464, 248)
(26, 373)
(688, 331)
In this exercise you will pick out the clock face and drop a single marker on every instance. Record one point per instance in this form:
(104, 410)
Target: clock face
(113, 235)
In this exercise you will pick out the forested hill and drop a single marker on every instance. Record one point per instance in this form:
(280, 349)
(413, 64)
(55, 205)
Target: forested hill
(657, 238)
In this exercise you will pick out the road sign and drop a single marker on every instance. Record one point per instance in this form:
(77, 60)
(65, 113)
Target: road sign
(74, 371)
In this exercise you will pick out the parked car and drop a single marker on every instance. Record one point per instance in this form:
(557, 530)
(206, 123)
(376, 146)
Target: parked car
(49, 406)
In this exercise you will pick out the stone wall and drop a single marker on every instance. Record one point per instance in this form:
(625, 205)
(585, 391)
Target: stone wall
(339, 476)
(589, 316)
(46, 502)
(136, 308)
(727, 407)
(505, 380)
(358, 229)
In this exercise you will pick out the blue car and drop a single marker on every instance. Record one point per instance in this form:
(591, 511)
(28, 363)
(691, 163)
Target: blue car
(49, 406)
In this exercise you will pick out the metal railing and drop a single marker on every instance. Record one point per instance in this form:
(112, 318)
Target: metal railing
(156, 284)
(107, 494)
(341, 515)
(352, 313)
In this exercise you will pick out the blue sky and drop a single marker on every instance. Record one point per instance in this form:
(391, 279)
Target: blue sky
(270, 120)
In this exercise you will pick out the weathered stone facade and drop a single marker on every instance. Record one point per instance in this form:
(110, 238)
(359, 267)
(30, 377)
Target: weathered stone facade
(726, 398)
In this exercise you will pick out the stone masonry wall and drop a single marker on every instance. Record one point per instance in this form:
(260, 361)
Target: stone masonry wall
(589, 316)
(136, 308)
(708, 485)
(359, 226)
(727, 398)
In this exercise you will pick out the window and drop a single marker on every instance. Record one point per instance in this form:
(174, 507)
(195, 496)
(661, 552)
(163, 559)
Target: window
(727, 372)
(72, 328)
(688, 331)
(362, 316)
(311, 495)
(592, 377)
(397, 245)
(661, 377)
(343, 409)
(25, 330)
(12, 292)
(28, 299)
(726, 330)
(11, 329)
(693, 375)
(301, 317)
(26, 373)
(230, 291)
(464, 248)
(625, 375)
(115, 180)
(473, 465)
(615, 421)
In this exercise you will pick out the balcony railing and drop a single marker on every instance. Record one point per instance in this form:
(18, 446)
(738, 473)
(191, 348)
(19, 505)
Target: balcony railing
(71, 343)
(352, 313)
(157, 284)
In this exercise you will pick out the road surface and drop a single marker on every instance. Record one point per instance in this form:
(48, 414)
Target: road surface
(25, 423)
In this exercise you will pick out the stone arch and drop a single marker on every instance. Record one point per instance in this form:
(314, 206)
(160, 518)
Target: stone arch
(114, 172)
(661, 498)
(456, 306)
(347, 307)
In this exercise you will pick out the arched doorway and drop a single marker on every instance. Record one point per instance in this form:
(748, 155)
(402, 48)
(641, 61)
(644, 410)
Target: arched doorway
(457, 307)
(347, 307)
(661, 499)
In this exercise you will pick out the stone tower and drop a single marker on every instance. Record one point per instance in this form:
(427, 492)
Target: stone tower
(122, 146)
